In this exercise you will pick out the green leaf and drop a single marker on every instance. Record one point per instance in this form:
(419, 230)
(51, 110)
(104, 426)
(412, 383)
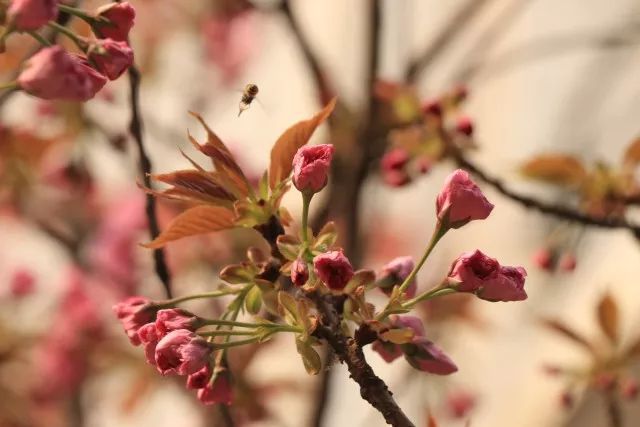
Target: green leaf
(289, 308)
(289, 246)
(253, 300)
(238, 274)
(326, 237)
(310, 358)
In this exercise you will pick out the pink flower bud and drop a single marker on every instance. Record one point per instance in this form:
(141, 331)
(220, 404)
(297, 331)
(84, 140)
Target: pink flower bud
(390, 351)
(395, 272)
(22, 283)
(543, 259)
(334, 269)
(472, 270)
(464, 125)
(461, 201)
(395, 159)
(112, 58)
(219, 392)
(396, 178)
(134, 312)
(299, 272)
(509, 286)
(424, 355)
(149, 337)
(53, 73)
(199, 379)
(432, 108)
(182, 352)
(311, 167)
(567, 262)
(27, 15)
(460, 403)
(121, 18)
(387, 350)
(175, 318)
(605, 381)
(629, 389)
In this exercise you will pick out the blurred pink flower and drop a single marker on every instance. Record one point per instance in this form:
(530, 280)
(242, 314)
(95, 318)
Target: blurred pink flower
(54, 73)
(461, 201)
(219, 392)
(22, 283)
(230, 40)
(459, 403)
(27, 15)
(134, 312)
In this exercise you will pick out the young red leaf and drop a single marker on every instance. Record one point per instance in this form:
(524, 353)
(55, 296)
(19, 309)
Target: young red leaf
(197, 220)
(608, 317)
(201, 186)
(290, 141)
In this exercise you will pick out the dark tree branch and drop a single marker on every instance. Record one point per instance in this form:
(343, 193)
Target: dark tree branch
(614, 411)
(451, 30)
(135, 127)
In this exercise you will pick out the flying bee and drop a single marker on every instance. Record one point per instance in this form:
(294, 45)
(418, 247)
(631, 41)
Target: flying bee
(248, 95)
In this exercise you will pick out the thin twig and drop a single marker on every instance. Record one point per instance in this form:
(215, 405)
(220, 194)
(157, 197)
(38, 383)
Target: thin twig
(135, 127)
(443, 40)
(614, 412)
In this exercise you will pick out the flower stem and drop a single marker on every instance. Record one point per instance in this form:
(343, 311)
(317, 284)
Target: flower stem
(82, 45)
(225, 333)
(225, 345)
(430, 294)
(214, 294)
(9, 86)
(77, 12)
(306, 201)
(437, 235)
(218, 322)
(39, 38)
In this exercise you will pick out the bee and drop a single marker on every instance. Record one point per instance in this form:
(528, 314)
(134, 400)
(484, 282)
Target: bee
(248, 95)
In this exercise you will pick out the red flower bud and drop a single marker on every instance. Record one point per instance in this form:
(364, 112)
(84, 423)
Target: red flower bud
(149, 337)
(134, 312)
(334, 269)
(22, 283)
(112, 58)
(629, 389)
(27, 15)
(424, 355)
(432, 108)
(53, 73)
(182, 352)
(121, 18)
(219, 392)
(464, 125)
(299, 272)
(396, 178)
(567, 262)
(395, 159)
(461, 201)
(175, 318)
(543, 259)
(311, 167)
(395, 272)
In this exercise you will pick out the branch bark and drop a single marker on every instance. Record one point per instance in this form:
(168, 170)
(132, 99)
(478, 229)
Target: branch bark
(136, 127)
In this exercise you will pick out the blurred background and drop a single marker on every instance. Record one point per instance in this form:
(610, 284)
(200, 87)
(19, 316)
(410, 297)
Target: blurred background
(532, 76)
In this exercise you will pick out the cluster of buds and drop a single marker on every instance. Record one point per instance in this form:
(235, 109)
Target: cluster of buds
(424, 134)
(551, 259)
(54, 73)
(289, 289)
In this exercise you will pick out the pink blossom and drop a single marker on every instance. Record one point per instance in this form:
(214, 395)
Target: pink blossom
(543, 259)
(219, 392)
(460, 403)
(390, 351)
(121, 18)
(395, 272)
(112, 58)
(182, 352)
(334, 269)
(472, 270)
(27, 15)
(299, 272)
(432, 107)
(53, 73)
(567, 262)
(629, 388)
(461, 201)
(464, 125)
(508, 286)
(22, 283)
(134, 312)
(387, 350)
(175, 318)
(149, 337)
(395, 159)
(199, 379)
(424, 355)
(311, 167)
(396, 178)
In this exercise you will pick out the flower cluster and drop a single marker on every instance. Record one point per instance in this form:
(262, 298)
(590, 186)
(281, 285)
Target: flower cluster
(54, 73)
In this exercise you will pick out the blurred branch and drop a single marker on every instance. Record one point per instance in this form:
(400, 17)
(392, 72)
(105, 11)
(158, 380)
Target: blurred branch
(449, 33)
(614, 412)
(135, 127)
(546, 208)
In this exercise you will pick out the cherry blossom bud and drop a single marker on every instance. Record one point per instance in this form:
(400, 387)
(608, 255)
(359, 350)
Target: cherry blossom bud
(53, 73)
(567, 262)
(28, 15)
(605, 381)
(121, 18)
(460, 403)
(432, 108)
(299, 272)
(424, 164)
(509, 286)
(311, 167)
(464, 125)
(424, 355)
(395, 159)
(112, 58)
(134, 312)
(199, 379)
(396, 178)
(629, 388)
(390, 351)
(543, 259)
(219, 392)
(22, 283)
(182, 352)
(395, 272)
(387, 350)
(461, 201)
(149, 337)
(175, 318)
(334, 269)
